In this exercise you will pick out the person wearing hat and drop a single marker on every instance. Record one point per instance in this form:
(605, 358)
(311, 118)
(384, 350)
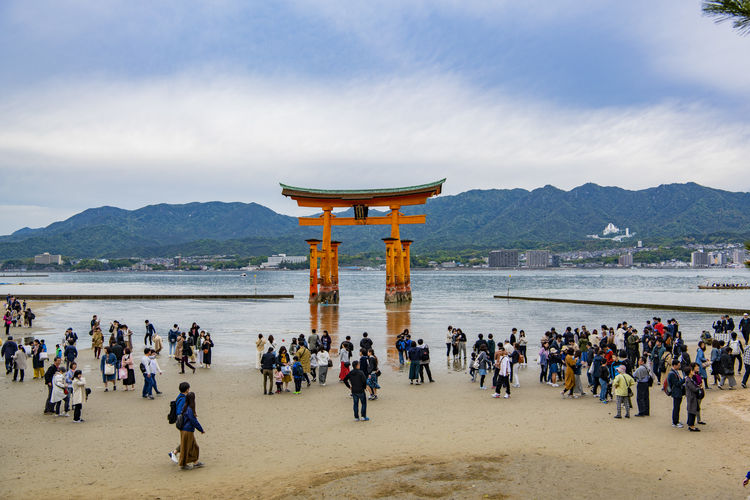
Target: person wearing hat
(622, 386)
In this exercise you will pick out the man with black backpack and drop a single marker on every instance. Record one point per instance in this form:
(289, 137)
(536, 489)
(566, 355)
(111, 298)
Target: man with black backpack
(424, 364)
(175, 409)
(366, 342)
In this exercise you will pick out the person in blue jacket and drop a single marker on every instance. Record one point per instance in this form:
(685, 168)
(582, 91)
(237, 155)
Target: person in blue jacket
(179, 404)
(189, 451)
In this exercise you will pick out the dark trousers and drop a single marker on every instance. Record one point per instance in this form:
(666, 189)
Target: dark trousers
(47, 405)
(313, 372)
(148, 340)
(691, 419)
(641, 396)
(738, 358)
(8, 365)
(425, 368)
(77, 411)
(359, 399)
(676, 402)
(15, 374)
(297, 384)
(185, 361)
(67, 402)
(495, 377)
(503, 381)
(746, 375)
(267, 376)
(543, 373)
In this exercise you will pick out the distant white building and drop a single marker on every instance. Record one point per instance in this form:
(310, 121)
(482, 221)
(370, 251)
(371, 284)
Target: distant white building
(47, 258)
(715, 259)
(610, 229)
(277, 260)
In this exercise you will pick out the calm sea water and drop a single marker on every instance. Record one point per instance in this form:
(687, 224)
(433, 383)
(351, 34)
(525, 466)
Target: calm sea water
(441, 298)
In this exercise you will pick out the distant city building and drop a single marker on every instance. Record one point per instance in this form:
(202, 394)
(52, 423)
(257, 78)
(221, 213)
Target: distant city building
(699, 259)
(625, 260)
(277, 260)
(555, 261)
(640, 244)
(450, 264)
(47, 258)
(715, 259)
(177, 261)
(537, 258)
(739, 256)
(503, 258)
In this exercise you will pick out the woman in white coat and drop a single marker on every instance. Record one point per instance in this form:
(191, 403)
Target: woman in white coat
(323, 359)
(59, 390)
(19, 363)
(79, 395)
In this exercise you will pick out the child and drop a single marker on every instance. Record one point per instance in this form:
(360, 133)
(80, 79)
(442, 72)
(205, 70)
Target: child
(472, 370)
(58, 351)
(314, 366)
(298, 373)
(279, 378)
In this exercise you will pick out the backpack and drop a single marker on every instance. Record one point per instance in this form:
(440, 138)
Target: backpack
(425, 353)
(297, 370)
(701, 393)
(172, 416)
(666, 387)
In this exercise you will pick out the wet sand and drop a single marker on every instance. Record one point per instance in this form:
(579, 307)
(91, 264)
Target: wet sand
(448, 439)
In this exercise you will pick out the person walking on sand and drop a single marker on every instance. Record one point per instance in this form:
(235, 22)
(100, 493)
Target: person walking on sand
(7, 351)
(503, 373)
(148, 339)
(267, 364)
(58, 391)
(303, 355)
(158, 344)
(189, 450)
(108, 365)
(79, 395)
(643, 379)
(675, 387)
(324, 362)
(356, 381)
(179, 403)
(187, 352)
(19, 363)
(424, 362)
(694, 393)
(260, 350)
(49, 376)
(415, 358)
(483, 363)
(97, 341)
(622, 385)
(172, 336)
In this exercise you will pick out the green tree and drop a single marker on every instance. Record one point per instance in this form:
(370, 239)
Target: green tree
(747, 247)
(737, 11)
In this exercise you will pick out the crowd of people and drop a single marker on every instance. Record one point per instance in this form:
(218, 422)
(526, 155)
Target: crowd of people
(17, 314)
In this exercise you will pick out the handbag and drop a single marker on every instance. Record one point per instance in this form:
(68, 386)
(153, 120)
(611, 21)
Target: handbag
(330, 364)
(205, 351)
(109, 369)
(43, 356)
(123, 373)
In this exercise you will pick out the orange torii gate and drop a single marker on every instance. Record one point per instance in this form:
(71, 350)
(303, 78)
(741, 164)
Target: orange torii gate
(398, 280)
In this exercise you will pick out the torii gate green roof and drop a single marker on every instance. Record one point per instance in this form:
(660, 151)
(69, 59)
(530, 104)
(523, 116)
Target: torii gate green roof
(433, 188)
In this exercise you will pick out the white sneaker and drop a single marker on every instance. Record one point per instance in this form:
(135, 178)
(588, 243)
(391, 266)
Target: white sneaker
(173, 456)
(506, 396)
(555, 385)
(496, 395)
(516, 385)
(483, 388)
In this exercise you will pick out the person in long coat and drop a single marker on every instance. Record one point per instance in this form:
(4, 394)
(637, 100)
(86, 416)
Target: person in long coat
(97, 341)
(570, 376)
(691, 392)
(19, 363)
(36, 362)
(303, 354)
(58, 390)
(207, 348)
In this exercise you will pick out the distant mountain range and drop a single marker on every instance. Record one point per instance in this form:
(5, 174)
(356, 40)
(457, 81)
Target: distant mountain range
(477, 219)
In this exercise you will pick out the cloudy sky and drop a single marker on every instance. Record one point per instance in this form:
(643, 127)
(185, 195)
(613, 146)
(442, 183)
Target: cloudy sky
(130, 103)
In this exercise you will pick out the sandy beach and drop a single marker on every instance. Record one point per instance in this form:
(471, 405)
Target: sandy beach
(448, 439)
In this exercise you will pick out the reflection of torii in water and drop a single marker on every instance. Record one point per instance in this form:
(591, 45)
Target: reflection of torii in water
(398, 279)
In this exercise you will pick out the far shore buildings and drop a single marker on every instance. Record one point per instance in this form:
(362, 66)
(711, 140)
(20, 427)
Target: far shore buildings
(537, 258)
(46, 258)
(699, 259)
(277, 260)
(625, 260)
(503, 258)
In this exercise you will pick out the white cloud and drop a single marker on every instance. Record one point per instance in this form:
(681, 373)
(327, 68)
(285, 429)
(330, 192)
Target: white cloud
(201, 136)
